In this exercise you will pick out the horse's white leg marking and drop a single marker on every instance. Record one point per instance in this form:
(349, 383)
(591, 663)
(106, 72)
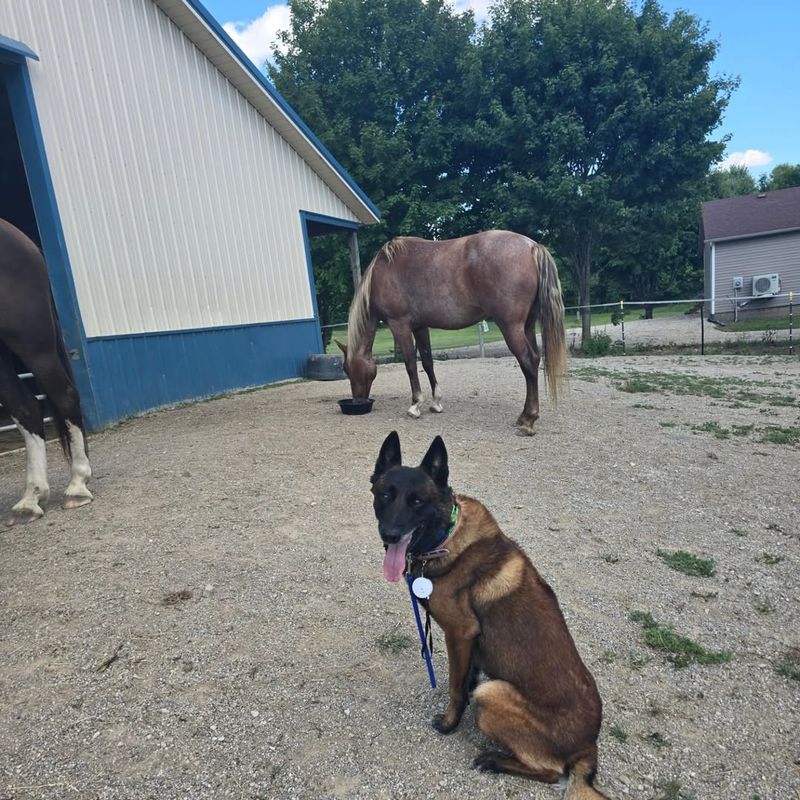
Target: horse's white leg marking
(436, 405)
(37, 489)
(77, 493)
(416, 402)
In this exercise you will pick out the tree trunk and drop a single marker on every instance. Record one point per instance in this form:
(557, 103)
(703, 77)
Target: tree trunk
(582, 269)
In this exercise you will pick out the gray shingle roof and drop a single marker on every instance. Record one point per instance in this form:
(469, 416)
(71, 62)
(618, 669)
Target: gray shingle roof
(752, 214)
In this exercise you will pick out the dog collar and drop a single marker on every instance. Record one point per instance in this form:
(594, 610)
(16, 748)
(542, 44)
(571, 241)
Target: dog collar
(446, 535)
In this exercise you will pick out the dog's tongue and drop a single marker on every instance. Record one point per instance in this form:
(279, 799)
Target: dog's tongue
(394, 562)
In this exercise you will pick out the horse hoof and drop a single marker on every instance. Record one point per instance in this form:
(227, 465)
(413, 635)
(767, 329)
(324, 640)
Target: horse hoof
(76, 501)
(22, 516)
(437, 407)
(414, 413)
(525, 430)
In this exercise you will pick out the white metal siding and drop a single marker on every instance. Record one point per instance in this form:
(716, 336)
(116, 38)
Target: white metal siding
(180, 203)
(761, 255)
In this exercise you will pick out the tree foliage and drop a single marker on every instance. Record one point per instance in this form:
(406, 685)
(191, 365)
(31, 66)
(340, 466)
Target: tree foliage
(730, 182)
(584, 123)
(783, 176)
(596, 124)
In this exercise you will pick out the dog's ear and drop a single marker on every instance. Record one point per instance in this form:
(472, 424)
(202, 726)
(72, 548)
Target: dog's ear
(342, 347)
(388, 457)
(435, 463)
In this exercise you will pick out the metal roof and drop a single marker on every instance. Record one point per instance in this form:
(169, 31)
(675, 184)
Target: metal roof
(752, 215)
(210, 38)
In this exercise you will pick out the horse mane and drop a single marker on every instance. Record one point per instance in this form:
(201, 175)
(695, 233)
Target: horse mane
(358, 317)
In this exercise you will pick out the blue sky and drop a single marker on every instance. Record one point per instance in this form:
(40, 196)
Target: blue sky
(758, 42)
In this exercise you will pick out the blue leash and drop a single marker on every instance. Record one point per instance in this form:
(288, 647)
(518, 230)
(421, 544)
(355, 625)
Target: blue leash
(425, 652)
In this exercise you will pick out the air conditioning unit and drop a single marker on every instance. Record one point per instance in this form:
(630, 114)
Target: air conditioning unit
(764, 285)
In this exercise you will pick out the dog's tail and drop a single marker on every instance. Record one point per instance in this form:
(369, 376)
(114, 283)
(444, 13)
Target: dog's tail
(581, 780)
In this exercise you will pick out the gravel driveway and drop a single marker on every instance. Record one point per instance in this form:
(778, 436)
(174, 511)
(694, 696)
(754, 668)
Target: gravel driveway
(216, 623)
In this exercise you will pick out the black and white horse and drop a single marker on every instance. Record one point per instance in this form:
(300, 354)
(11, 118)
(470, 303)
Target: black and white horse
(29, 330)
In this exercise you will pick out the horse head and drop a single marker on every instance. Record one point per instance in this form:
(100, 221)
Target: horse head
(361, 369)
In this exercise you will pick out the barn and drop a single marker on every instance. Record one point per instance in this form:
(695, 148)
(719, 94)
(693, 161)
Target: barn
(173, 192)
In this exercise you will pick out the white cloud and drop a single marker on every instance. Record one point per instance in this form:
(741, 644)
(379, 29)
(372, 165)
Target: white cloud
(749, 158)
(257, 37)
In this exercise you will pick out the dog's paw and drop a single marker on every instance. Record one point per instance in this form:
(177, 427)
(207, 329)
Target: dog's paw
(487, 761)
(441, 724)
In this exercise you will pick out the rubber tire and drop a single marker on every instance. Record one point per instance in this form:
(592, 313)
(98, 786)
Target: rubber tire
(324, 367)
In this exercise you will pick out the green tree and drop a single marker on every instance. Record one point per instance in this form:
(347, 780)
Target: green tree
(783, 176)
(733, 181)
(377, 82)
(594, 117)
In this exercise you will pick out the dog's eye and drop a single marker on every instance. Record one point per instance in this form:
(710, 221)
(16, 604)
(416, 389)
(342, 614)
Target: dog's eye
(386, 496)
(416, 502)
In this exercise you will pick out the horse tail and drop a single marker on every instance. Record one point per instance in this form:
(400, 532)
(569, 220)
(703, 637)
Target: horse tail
(59, 419)
(551, 306)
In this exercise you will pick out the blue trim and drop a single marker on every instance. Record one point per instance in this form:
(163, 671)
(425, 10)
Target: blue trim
(117, 336)
(31, 142)
(304, 217)
(13, 50)
(259, 77)
(334, 222)
(134, 374)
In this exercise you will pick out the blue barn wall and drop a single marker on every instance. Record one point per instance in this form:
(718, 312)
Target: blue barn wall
(132, 374)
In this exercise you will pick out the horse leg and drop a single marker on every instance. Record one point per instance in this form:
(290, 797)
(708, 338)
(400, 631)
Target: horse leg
(423, 337)
(26, 412)
(56, 383)
(528, 359)
(405, 341)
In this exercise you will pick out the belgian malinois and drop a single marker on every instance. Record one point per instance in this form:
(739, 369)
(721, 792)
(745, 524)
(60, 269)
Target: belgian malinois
(499, 618)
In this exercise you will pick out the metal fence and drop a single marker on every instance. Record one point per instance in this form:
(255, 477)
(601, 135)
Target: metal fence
(677, 324)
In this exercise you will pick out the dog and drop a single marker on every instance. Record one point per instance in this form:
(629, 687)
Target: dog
(499, 618)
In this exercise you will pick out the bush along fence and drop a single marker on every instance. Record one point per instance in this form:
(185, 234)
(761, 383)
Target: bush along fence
(770, 329)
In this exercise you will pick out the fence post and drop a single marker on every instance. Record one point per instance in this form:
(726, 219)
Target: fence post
(791, 345)
(481, 348)
(622, 322)
(702, 327)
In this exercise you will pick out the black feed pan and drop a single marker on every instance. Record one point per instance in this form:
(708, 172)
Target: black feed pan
(356, 405)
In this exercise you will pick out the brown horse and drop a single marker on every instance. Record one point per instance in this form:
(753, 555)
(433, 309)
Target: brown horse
(29, 330)
(415, 284)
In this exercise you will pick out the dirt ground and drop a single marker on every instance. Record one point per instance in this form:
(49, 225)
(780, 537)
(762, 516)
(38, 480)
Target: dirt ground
(216, 624)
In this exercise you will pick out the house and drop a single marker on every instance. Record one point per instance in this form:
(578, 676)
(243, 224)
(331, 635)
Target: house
(751, 253)
(173, 192)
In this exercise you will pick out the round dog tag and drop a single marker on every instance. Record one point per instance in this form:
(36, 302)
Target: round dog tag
(422, 588)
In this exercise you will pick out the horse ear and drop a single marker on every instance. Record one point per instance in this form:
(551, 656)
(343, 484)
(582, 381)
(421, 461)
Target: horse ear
(388, 457)
(435, 463)
(342, 347)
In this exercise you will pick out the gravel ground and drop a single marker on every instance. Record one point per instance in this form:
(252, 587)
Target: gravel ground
(216, 623)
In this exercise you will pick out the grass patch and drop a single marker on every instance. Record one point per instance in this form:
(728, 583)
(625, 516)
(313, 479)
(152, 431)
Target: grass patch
(737, 531)
(727, 390)
(680, 650)
(769, 559)
(394, 642)
(775, 434)
(712, 427)
(777, 324)
(742, 430)
(618, 733)
(789, 664)
(657, 740)
(684, 562)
